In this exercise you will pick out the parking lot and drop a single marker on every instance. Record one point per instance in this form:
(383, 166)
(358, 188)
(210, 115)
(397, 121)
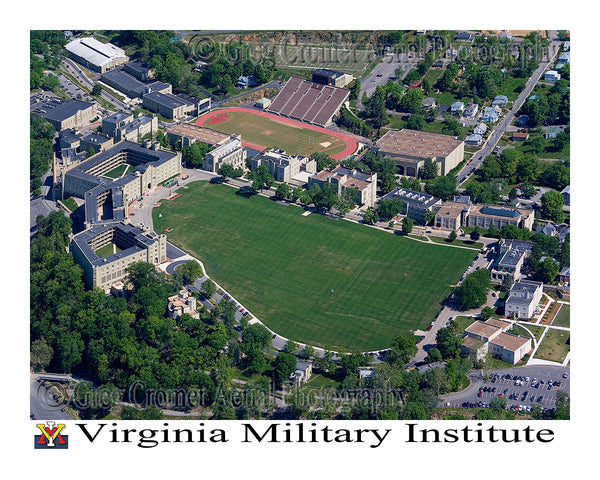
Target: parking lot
(524, 388)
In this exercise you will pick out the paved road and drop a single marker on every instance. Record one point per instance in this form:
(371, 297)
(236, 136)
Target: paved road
(499, 129)
(46, 400)
(384, 71)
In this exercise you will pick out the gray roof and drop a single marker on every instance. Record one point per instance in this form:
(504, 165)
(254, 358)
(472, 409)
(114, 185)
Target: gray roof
(412, 198)
(124, 82)
(62, 111)
(166, 99)
(500, 212)
(139, 240)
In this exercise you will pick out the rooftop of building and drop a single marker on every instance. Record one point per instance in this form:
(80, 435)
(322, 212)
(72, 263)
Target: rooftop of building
(201, 134)
(414, 143)
(61, 110)
(413, 198)
(94, 51)
(509, 341)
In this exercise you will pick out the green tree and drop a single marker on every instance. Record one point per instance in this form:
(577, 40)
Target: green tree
(430, 169)
(416, 122)
(97, 90)
(552, 205)
(472, 293)
(371, 216)
(226, 171)
(402, 349)
(443, 187)
(507, 282)
(474, 235)
(41, 354)
(452, 235)
(407, 225)
(284, 365)
(547, 270)
(209, 288)
(487, 312)
(389, 208)
(283, 191)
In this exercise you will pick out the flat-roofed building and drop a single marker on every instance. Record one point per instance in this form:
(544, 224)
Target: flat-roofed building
(231, 153)
(112, 123)
(188, 133)
(511, 256)
(410, 148)
(414, 204)
(325, 76)
(104, 266)
(65, 114)
(452, 215)
(167, 105)
(124, 83)
(343, 178)
(282, 166)
(491, 337)
(523, 299)
(510, 348)
(108, 198)
(95, 55)
(139, 70)
(96, 141)
(484, 216)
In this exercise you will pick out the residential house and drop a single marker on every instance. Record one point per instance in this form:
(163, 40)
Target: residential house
(519, 136)
(302, 373)
(551, 76)
(523, 299)
(457, 108)
(480, 129)
(429, 103)
(500, 100)
(471, 110)
(552, 132)
(490, 115)
(245, 82)
(560, 231)
(473, 140)
(464, 37)
(565, 275)
(566, 193)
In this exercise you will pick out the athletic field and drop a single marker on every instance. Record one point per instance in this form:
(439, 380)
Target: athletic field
(330, 283)
(262, 130)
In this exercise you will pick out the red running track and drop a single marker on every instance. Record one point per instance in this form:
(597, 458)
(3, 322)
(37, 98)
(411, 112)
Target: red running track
(350, 140)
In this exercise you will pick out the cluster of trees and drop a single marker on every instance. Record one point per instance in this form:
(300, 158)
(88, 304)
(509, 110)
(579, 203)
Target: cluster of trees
(116, 341)
(547, 108)
(44, 49)
(472, 292)
(514, 167)
(41, 141)
(193, 155)
(168, 58)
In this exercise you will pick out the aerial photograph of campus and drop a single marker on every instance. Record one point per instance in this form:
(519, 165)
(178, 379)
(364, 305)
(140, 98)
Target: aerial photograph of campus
(300, 225)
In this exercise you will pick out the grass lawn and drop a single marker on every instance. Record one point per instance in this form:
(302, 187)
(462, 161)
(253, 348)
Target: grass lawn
(117, 172)
(555, 346)
(309, 278)
(563, 318)
(457, 242)
(107, 250)
(270, 133)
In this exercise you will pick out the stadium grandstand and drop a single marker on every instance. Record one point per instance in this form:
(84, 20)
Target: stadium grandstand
(309, 102)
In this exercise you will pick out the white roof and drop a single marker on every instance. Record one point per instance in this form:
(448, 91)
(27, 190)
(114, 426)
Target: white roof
(95, 52)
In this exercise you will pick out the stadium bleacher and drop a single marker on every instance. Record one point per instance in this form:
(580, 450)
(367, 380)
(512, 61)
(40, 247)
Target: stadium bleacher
(309, 102)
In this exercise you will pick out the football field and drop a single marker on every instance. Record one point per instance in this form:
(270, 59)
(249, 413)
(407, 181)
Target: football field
(333, 284)
(263, 130)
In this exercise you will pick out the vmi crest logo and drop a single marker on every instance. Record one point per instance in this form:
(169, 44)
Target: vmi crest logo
(51, 436)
